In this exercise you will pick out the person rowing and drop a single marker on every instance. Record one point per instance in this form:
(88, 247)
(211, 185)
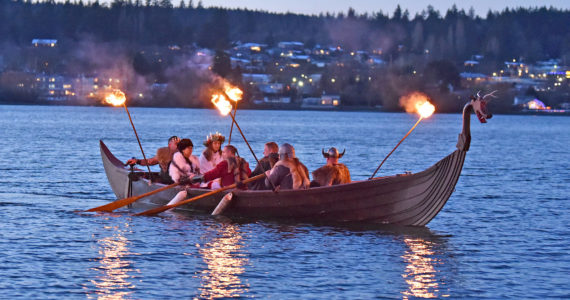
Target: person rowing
(270, 158)
(288, 173)
(333, 172)
(233, 169)
(162, 158)
(184, 168)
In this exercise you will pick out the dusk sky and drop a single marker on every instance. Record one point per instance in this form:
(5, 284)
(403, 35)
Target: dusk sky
(387, 6)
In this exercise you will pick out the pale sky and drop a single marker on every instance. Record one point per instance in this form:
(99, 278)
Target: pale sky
(371, 6)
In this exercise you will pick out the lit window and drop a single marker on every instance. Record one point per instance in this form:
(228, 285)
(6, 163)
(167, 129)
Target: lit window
(335, 102)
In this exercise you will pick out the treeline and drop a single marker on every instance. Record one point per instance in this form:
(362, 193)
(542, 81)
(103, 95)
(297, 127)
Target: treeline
(531, 33)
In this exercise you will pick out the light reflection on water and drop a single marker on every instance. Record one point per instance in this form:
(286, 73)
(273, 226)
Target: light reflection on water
(420, 273)
(114, 267)
(225, 263)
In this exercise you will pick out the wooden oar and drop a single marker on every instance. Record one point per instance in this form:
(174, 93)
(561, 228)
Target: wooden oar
(167, 207)
(126, 201)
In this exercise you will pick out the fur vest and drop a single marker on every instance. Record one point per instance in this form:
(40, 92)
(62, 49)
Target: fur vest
(331, 175)
(297, 171)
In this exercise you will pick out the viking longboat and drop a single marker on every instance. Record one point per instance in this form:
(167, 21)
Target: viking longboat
(404, 199)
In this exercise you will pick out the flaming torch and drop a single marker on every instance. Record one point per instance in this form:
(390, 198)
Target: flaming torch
(117, 98)
(225, 108)
(423, 108)
(235, 95)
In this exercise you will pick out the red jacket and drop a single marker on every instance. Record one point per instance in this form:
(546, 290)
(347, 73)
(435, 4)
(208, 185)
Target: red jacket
(221, 171)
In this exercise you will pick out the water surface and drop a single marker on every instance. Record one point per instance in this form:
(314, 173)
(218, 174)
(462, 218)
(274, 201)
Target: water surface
(503, 233)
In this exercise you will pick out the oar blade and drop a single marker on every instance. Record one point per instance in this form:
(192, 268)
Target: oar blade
(126, 201)
(114, 205)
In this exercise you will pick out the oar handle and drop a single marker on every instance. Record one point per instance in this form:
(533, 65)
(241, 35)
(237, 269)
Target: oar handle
(167, 207)
(126, 201)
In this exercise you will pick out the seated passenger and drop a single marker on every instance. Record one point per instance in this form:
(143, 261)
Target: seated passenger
(288, 173)
(270, 158)
(333, 172)
(163, 158)
(184, 166)
(212, 156)
(233, 169)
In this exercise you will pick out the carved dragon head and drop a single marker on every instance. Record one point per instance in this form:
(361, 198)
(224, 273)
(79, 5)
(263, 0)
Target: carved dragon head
(479, 104)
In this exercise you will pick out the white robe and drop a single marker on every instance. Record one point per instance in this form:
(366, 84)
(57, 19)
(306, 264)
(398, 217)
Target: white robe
(185, 169)
(206, 165)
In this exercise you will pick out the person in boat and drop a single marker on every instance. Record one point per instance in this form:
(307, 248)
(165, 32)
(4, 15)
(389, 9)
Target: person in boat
(162, 158)
(184, 165)
(183, 168)
(270, 158)
(333, 172)
(232, 169)
(288, 173)
(212, 155)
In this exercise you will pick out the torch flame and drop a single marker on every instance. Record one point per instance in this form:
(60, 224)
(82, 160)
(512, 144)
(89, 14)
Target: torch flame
(116, 98)
(425, 109)
(223, 105)
(417, 102)
(234, 93)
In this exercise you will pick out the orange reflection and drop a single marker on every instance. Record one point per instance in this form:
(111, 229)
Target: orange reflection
(113, 283)
(420, 274)
(225, 263)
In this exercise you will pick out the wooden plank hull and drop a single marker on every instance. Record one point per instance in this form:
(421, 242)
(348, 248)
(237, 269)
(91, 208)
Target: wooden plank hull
(413, 199)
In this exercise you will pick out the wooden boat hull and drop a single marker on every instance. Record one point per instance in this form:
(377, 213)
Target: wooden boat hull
(407, 199)
(413, 199)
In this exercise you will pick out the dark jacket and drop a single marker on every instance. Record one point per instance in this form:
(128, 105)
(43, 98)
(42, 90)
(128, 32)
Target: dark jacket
(266, 164)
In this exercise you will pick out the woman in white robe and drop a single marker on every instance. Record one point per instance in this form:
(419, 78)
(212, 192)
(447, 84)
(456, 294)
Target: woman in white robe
(212, 156)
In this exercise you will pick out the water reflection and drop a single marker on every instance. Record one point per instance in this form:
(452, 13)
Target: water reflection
(115, 269)
(421, 273)
(225, 263)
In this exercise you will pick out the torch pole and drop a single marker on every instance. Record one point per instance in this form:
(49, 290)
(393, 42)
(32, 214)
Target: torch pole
(232, 127)
(243, 136)
(138, 140)
(405, 136)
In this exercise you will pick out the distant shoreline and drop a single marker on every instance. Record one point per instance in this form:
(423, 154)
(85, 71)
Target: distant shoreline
(290, 108)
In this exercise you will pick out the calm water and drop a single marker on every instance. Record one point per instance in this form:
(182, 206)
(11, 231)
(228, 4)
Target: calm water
(503, 234)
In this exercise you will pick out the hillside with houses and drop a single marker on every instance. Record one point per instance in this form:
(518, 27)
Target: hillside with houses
(172, 56)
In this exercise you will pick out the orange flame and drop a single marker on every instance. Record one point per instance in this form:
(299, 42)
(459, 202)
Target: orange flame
(234, 93)
(223, 105)
(417, 102)
(425, 109)
(116, 98)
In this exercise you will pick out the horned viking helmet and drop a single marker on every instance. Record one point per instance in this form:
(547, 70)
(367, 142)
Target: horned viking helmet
(333, 153)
